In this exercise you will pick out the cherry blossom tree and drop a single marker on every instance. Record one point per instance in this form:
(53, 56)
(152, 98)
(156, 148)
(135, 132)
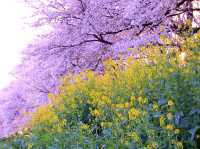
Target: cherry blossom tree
(86, 32)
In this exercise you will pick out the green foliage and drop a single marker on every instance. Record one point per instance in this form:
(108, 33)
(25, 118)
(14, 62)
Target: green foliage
(149, 103)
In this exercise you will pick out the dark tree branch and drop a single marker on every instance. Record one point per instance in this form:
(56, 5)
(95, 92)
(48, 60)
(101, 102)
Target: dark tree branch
(73, 45)
(83, 5)
(179, 4)
(182, 11)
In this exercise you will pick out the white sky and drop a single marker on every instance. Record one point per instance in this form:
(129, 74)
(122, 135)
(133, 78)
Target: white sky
(12, 37)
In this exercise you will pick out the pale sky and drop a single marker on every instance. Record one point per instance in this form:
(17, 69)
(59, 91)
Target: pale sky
(12, 37)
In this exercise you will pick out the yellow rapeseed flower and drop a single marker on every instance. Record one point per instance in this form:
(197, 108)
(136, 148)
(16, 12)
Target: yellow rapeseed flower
(134, 136)
(94, 94)
(179, 145)
(44, 114)
(133, 113)
(119, 106)
(177, 131)
(96, 113)
(133, 99)
(155, 107)
(84, 126)
(126, 105)
(142, 101)
(106, 100)
(30, 146)
(70, 89)
(152, 145)
(162, 121)
(170, 127)
(170, 103)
